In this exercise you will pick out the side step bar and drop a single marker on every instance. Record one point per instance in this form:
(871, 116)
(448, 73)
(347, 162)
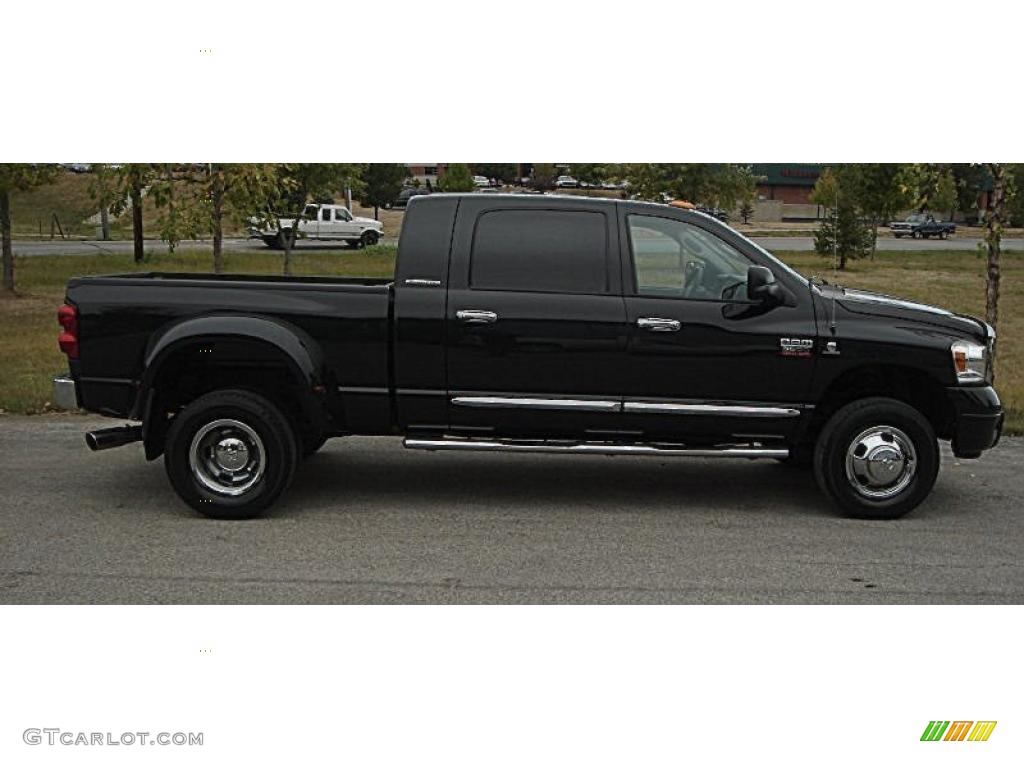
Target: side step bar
(600, 449)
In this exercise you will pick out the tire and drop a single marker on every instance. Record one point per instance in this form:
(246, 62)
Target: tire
(878, 427)
(272, 241)
(213, 433)
(369, 239)
(916, 235)
(898, 236)
(942, 235)
(282, 238)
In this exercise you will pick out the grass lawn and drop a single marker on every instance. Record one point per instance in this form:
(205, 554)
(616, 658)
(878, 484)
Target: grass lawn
(29, 355)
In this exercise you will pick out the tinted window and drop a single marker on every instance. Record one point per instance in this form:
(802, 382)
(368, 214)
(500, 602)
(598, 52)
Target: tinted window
(550, 251)
(325, 214)
(674, 259)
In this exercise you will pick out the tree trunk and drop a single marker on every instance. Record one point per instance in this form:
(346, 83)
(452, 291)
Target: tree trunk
(993, 243)
(8, 253)
(105, 223)
(218, 224)
(136, 197)
(288, 242)
(376, 212)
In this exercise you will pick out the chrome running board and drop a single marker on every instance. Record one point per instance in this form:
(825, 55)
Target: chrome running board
(601, 449)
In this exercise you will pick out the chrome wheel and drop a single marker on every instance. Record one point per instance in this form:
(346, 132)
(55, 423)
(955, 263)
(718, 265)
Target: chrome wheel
(880, 462)
(227, 457)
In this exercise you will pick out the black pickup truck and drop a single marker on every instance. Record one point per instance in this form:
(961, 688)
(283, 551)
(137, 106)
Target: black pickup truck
(563, 325)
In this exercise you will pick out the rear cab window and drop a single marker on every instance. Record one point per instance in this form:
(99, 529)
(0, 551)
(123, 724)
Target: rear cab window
(540, 251)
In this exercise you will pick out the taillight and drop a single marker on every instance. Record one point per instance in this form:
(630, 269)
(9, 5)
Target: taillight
(67, 316)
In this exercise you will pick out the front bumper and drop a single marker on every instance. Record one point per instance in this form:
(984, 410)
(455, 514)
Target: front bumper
(978, 420)
(65, 395)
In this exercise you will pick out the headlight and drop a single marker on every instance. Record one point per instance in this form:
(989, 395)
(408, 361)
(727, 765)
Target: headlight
(970, 361)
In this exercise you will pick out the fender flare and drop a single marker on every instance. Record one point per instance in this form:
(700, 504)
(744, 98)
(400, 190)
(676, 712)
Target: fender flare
(302, 354)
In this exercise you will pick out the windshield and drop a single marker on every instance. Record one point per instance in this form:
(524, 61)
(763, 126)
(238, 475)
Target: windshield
(916, 217)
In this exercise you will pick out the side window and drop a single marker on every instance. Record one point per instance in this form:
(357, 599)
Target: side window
(678, 260)
(343, 215)
(325, 214)
(543, 251)
(311, 212)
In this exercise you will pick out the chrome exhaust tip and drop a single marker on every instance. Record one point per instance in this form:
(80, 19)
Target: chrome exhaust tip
(102, 439)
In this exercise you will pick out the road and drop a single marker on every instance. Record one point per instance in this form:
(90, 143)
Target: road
(83, 247)
(368, 522)
(771, 243)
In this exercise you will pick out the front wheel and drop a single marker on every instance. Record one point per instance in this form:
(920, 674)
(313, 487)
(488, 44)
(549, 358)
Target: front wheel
(369, 239)
(230, 454)
(916, 235)
(877, 458)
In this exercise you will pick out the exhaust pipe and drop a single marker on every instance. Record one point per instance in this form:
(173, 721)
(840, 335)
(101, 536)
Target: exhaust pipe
(101, 439)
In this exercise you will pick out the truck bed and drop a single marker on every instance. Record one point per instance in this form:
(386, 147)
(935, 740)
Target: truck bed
(121, 317)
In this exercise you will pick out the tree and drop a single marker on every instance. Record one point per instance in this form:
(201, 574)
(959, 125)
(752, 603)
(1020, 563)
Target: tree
(207, 197)
(17, 177)
(503, 172)
(103, 189)
(298, 183)
(713, 184)
(381, 184)
(943, 196)
(994, 215)
(131, 181)
(746, 210)
(456, 178)
(880, 191)
(591, 174)
(543, 177)
(971, 180)
(843, 235)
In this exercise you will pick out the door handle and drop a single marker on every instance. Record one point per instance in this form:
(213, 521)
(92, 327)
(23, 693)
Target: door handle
(477, 316)
(659, 324)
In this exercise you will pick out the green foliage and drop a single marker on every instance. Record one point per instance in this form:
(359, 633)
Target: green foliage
(381, 184)
(714, 184)
(17, 177)
(503, 172)
(543, 177)
(880, 191)
(589, 173)
(456, 178)
(843, 234)
(971, 179)
(943, 196)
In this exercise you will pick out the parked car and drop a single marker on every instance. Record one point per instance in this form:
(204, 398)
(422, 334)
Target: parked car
(481, 181)
(406, 195)
(719, 213)
(320, 222)
(922, 225)
(528, 324)
(564, 182)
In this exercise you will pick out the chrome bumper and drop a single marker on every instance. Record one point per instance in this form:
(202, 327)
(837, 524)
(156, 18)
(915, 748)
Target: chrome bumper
(64, 395)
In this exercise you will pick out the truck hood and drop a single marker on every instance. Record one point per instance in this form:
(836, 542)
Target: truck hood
(367, 222)
(881, 305)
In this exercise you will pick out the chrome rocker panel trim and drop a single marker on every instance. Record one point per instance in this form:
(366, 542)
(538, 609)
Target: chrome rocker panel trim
(601, 449)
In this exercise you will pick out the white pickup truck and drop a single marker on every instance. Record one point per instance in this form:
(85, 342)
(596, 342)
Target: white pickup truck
(321, 222)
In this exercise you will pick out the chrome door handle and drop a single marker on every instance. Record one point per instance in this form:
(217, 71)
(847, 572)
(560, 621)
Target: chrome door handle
(477, 316)
(659, 324)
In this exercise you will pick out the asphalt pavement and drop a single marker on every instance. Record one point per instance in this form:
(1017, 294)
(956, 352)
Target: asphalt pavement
(771, 243)
(367, 521)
